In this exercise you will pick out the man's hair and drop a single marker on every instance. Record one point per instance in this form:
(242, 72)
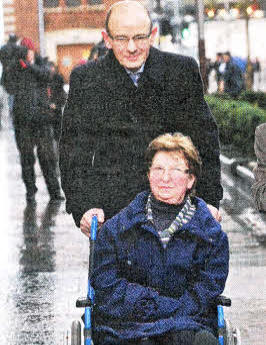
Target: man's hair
(228, 54)
(12, 38)
(178, 144)
(107, 20)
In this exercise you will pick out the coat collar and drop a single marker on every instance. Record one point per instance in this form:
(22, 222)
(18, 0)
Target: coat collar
(117, 77)
(202, 225)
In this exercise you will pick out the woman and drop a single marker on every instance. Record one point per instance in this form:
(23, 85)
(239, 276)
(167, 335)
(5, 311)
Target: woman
(161, 261)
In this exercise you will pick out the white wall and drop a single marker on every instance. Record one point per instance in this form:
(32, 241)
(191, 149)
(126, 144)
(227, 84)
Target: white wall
(66, 37)
(221, 36)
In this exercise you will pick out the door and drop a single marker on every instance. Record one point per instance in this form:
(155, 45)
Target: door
(69, 56)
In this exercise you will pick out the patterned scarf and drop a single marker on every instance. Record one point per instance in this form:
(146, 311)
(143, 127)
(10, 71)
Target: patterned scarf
(182, 218)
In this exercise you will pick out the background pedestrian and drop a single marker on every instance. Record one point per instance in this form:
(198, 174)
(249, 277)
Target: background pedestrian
(30, 76)
(232, 77)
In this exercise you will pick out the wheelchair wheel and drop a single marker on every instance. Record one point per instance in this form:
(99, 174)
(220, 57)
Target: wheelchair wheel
(229, 336)
(237, 336)
(76, 333)
(232, 334)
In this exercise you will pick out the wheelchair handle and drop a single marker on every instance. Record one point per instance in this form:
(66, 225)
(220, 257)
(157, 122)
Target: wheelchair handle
(94, 225)
(93, 235)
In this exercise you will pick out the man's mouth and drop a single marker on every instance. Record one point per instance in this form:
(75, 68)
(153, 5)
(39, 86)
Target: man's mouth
(132, 57)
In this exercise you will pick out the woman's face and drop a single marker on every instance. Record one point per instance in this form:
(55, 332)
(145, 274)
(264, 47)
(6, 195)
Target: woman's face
(169, 178)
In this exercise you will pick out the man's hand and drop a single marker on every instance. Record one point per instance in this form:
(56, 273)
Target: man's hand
(215, 212)
(85, 223)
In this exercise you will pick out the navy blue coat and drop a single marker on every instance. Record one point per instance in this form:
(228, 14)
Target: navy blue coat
(142, 289)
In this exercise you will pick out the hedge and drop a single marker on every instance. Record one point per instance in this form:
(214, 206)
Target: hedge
(256, 98)
(237, 121)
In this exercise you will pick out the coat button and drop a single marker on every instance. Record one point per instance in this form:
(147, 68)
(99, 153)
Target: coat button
(129, 262)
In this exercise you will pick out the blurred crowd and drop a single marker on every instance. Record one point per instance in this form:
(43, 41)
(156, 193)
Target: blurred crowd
(230, 72)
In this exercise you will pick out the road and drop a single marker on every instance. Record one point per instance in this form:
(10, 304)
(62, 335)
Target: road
(44, 259)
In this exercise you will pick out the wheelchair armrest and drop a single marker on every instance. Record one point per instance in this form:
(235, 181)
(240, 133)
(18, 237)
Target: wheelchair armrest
(223, 300)
(83, 302)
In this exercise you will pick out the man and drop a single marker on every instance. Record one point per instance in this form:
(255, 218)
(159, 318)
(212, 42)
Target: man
(32, 120)
(232, 77)
(216, 65)
(259, 186)
(7, 54)
(116, 105)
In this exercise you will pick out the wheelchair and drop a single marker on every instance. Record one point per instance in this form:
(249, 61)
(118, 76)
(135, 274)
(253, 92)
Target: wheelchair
(227, 333)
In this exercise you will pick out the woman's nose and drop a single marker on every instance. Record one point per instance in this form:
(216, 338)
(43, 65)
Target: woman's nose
(166, 175)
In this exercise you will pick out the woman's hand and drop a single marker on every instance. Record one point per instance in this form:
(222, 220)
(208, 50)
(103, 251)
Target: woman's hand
(85, 223)
(215, 213)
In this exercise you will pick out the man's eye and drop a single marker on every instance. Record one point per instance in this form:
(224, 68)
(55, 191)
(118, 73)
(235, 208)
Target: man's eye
(121, 39)
(139, 38)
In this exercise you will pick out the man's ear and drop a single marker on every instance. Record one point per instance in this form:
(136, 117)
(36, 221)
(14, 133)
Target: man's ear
(153, 34)
(107, 40)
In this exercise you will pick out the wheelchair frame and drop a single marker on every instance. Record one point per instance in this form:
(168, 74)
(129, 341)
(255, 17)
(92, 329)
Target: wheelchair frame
(227, 334)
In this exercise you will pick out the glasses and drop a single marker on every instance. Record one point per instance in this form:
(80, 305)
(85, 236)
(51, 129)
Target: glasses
(176, 172)
(124, 40)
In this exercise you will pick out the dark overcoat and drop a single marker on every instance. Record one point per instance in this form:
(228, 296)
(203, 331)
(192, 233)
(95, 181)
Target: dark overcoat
(31, 101)
(108, 124)
(233, 79)
(142, 289)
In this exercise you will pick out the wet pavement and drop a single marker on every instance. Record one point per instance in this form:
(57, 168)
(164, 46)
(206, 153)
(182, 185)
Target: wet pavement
(44, 259)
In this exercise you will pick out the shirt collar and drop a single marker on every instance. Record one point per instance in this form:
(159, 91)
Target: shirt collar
(140, 70)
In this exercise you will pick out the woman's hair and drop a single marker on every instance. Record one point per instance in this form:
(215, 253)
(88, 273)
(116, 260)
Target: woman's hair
(178, 144)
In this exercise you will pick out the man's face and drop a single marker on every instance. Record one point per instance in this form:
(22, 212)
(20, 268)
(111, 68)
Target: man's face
(226, 58)
(30, 56)
(130, 37)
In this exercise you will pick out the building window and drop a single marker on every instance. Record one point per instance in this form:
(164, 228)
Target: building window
(50, 3)
(73, 3)
(95, 2)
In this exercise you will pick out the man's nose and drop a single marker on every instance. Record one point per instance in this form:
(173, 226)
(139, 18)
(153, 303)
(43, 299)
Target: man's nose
(131, 46)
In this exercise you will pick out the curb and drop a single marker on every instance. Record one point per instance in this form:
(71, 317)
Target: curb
(235, 167)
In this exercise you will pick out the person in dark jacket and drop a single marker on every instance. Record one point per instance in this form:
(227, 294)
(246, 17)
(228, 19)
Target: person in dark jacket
(7, 53)
(160, 263)
(216, 66)
(233, 79)
(32, 121)
(98, 50)
(57, 98)
(117, 105)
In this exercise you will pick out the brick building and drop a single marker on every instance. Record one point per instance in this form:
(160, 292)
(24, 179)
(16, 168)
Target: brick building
(67, 29)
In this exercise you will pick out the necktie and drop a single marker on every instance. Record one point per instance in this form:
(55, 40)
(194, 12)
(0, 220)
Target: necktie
(135, 78)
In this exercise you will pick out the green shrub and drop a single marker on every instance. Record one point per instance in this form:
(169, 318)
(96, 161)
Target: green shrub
(257, 98)
(236, 121)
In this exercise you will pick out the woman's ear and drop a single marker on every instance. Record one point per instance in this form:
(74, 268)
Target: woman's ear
(191, 181)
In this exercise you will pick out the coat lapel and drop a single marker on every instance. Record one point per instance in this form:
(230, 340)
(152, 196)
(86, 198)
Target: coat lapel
(117, 77)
